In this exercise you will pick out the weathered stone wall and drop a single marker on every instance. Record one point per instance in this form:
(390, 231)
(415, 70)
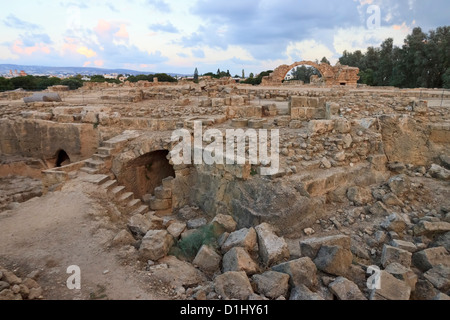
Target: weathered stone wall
(42, 139)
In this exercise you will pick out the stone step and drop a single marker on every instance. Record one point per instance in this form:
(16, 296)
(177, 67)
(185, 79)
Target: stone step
(95, 164)
(134, 204)
(117, 191)
(126, 197)
(97, 179)
(89, 170)
(105, 151)
(110, 184)
(115, 144)
(160, 204)
(164, 213)
(141, 210)
(100, 157)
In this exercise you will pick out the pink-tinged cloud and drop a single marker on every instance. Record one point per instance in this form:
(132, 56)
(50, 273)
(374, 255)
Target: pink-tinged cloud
(400, 27)
(122, 33)
(102, 28)
(19, 48)
(99, 63)
(87, 63)
(85, 51)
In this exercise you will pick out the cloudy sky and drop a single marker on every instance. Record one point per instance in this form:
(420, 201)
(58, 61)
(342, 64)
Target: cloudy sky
(178, 36)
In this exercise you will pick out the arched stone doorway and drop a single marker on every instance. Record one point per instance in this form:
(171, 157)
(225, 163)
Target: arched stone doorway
(143, 174)
(62, 158)
(337, 75)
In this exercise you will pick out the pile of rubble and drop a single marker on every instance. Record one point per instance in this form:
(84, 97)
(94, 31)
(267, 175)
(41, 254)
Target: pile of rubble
(14, 288)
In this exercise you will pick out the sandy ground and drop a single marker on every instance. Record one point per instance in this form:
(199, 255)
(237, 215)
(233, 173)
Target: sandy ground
(64, 228)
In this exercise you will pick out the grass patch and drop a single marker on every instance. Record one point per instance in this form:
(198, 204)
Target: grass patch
(188, 247)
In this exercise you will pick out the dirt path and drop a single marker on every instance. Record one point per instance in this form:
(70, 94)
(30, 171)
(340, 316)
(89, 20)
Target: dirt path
(67, 228)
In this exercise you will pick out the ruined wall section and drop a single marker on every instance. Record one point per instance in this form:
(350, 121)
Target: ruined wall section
(42, 139)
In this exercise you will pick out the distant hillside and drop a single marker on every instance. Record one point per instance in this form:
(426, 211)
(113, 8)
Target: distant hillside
(35, 70)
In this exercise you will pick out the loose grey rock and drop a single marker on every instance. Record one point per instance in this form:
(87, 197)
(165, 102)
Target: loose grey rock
(428, 258)
(139, 225)
(431, 228)
(271, 284)
(439, 276)
(301, 271)
(272, 249)
(245, 238)
(390, 288)
(233, 285)
(345, 289)
(207, 259)
(225, 221)
(334, 260)
(196, 223)
(391, 254)
(155, 244)
(238, 259)
(310, 247)
(302, 292)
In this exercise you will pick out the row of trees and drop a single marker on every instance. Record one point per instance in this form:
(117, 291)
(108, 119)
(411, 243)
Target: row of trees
(41, 83)
(37, 83)
(422, 61)
(162, 77)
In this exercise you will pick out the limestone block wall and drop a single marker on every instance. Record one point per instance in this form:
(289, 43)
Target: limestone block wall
(43, 139)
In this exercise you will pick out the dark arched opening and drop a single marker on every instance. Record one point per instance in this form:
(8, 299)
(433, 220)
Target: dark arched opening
(142, 175)
(62, 158)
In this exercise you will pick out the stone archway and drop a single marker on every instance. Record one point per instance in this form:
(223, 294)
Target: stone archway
(62, 158)
(143, 174)
(337, 75)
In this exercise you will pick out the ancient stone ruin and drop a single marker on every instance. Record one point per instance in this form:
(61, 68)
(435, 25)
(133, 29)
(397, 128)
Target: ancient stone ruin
(339, 75)
(357, 208)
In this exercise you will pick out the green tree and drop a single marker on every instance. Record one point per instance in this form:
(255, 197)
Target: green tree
(243, 74)
(251, 76)
(26, 83)
(5, 84)
(43, 83)
(72, 83)
(325, 60)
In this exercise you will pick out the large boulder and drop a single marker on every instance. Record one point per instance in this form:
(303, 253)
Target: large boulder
(139, 225)
(439, 172)
(155, 244)
(345, 289)
(271, 284)
(310, 247)
(428, 258)
(238, 259)
(226, 221)
(178, 273)
(272, 249)
(359, 195)
(300, 271)
(302, 292)
(428, 228)
(439, 276)
(390, 288)
(391, 254)
(334, 260)
(233, 285)
(207, 259)
(245, 238)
